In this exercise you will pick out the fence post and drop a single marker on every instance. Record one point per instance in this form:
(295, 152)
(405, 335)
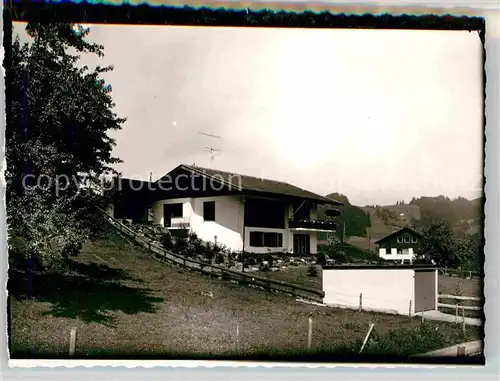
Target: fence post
(237, 337)
(423, 318)
(463, 319)
(456, 313)
(309, 333)
(460, 351)
(409, 309)
(360, 302)
(367, 337)
(72, 342)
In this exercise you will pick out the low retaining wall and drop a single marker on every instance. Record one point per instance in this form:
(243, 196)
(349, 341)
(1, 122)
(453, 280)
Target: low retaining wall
(214, 270)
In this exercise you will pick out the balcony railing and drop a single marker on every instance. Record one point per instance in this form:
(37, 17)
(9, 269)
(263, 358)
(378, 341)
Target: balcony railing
(312, 224)
(179, 222)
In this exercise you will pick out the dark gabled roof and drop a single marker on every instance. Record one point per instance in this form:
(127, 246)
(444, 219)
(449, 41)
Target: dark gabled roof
(133, 183)
(257, 185)
(123, 184)
(405, 229)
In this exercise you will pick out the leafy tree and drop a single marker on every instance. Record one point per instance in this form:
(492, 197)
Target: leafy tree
(470, 252)
(415, 223)
(438, 243)
(457, 211)
(58, 114)
(356, 220)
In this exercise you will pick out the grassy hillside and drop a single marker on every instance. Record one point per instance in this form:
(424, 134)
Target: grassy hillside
(124, 303)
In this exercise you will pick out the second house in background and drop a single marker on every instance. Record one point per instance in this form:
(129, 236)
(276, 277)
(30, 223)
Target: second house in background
(401, 245)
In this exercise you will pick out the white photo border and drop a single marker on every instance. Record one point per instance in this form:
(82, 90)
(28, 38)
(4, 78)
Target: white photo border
(43, 369)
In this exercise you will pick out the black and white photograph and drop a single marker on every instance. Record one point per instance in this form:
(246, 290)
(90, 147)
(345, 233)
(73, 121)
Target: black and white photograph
(253, 193)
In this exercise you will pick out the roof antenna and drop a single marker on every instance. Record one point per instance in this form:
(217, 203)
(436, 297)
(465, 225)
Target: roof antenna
(211, 150)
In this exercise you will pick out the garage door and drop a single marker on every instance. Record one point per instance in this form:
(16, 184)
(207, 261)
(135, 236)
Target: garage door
(425, 290)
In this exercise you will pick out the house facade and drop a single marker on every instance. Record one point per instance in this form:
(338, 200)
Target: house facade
(400, 246)
(241, 212)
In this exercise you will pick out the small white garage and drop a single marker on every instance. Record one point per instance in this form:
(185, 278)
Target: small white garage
(399, 289)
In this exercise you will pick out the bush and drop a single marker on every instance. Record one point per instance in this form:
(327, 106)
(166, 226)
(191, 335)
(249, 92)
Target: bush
(180, 245)
(183, 233)
(219, 258)
(208, 252)
(340, 257)
(250, 260)
(167, 241)
(269, 258)
(312, 270)
(264, 267)
(321, 258)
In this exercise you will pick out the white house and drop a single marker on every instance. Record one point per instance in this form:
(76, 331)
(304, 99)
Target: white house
(239, 211)
(400, 246)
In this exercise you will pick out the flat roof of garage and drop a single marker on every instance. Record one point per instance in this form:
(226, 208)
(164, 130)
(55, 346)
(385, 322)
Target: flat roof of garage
(380, 267)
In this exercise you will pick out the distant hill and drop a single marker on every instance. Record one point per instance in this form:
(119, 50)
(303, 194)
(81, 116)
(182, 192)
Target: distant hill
(367, 224)
(464, 215)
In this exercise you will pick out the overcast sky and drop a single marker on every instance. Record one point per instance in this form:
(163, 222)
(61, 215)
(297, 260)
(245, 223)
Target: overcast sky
(377, 115)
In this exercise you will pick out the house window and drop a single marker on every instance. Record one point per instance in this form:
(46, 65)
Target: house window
(209, 211)
(256, 239)
(264, 214)
(414, 239)
(175, 210)
(407, 239)
(400, 239)
(273, 239)
(260, 239)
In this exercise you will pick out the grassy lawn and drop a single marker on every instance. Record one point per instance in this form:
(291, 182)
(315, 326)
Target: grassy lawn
(458, 286)
(466, 287)
(125, 304)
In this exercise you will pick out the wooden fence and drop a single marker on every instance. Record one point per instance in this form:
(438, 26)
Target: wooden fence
(458, 303)
(215, 270)
(465, 274)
